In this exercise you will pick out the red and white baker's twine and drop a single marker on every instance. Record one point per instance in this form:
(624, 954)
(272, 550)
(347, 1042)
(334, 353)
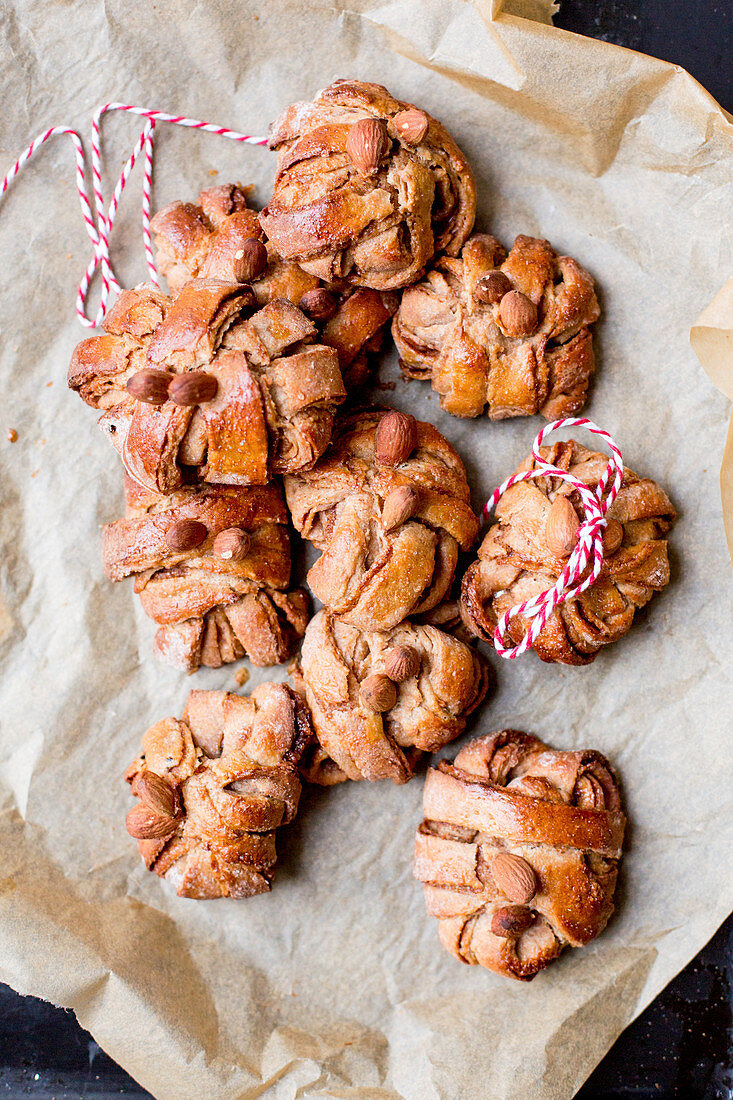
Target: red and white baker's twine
(99, 219)
(596, 503)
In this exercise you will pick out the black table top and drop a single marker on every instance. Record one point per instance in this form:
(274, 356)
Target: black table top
(682, 1045)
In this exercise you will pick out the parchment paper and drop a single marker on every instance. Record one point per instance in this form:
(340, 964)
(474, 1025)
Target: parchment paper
(335, 985)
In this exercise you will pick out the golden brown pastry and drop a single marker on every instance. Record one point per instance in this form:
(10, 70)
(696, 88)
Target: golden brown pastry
(447, 617)
(356, 328)
(516, 561)
(378, 700)
(212, 567)
(219, 236)
(389, 506)
(519, 851)
(508, 334)
(195, 389)
(368, 189)
(213, 788)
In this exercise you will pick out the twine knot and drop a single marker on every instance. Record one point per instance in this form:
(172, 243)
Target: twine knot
(589, 546)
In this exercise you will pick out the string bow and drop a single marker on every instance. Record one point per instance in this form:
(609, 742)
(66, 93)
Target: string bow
(589, 548)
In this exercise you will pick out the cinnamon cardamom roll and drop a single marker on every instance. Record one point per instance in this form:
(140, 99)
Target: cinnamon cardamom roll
(368, 188)
(519, 851)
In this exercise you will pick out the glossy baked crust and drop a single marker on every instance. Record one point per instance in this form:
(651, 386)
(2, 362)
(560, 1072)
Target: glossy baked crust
(446, 332)
(276, 390)
(210, 610)
(202, 240)
(369, 576)
(231, 766)
(431, 707)
(206, 239)
(514, 562)
(378, 229)
(507, 792)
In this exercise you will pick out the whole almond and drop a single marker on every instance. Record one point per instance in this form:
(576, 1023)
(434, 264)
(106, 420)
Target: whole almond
(366, 144)
(150, 386)
(613, 536)
(491, 288)
(145, 824)
(561, 527)
(411, 125)
(232, 544)
(186, 534)
(511, 920)
(378, 693)
(395, 438)
(402, 663)
(250, 260)
(193, 388)
(514, 877)
(155, 792)
(518, 314)
(398, 506)
(319, 304)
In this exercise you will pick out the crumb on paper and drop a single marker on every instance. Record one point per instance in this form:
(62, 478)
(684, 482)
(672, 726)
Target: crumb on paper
(386, 385)
(241, 676)
(49, 384)
(213, 171)
(12, 435)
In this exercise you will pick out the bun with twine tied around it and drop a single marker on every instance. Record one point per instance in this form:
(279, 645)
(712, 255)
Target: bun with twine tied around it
(579, 545)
